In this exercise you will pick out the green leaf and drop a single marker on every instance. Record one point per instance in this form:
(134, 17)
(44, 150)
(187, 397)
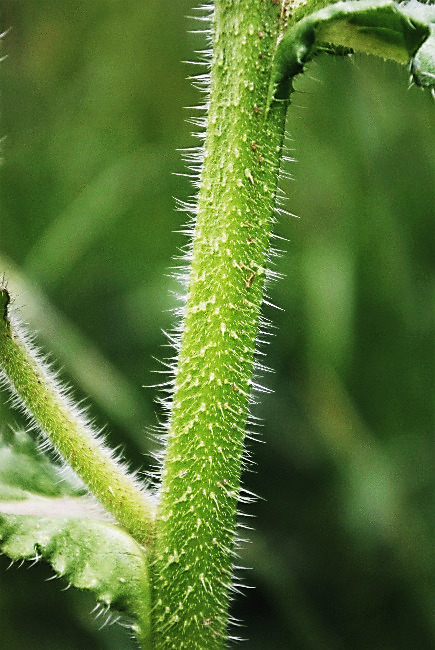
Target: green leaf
(25, 472)
(45, 515)
(402, 32)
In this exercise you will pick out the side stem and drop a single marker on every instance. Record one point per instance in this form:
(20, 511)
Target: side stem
(71, 435)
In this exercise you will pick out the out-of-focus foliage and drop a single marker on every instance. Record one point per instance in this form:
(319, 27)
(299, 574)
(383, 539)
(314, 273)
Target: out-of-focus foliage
(92, 97)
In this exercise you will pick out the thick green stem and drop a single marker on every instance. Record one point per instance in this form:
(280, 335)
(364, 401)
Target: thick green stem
(69, 432)
(195, 526)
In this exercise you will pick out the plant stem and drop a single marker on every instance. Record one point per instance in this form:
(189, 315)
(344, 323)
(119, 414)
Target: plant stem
(45, 403)
(195, 526)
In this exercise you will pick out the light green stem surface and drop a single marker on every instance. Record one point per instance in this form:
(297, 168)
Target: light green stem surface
(195, 527)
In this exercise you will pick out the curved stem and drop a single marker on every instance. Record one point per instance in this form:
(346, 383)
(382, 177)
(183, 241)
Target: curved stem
(71, 435)
(196, 521)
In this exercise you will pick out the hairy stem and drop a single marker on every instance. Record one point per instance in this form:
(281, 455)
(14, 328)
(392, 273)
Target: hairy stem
(195, 526)
(71, 435)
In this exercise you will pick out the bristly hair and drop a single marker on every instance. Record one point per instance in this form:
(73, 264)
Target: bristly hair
(63, 393)
(193, 159)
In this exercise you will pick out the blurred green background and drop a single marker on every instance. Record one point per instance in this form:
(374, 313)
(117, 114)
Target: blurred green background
(92, 107)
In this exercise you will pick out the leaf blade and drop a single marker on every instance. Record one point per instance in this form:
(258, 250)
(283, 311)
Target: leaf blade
(400, 32)
(42, 517)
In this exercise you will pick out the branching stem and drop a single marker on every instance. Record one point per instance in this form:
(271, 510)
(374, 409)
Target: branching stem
(258, 47)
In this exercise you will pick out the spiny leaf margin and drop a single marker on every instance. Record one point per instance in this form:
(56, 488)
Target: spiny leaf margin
(70, 531)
